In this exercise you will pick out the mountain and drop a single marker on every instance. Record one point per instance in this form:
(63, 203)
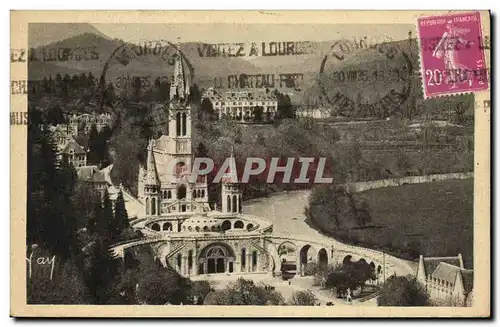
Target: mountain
(40, 34)
(139, 62)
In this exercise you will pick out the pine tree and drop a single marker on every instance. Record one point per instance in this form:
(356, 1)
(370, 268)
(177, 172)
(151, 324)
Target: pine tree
(108, 218)
(94, 145)
(51, 222)
(121, 216)
(101, 272)
(94, 223)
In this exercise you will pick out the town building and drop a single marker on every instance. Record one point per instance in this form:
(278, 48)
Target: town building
(74, 153)
(83, 123)
(446, 280)
(313, 112)
(242, 105)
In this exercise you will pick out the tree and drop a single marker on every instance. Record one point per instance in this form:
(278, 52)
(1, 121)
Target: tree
(206, 109)
(121, 216)
(403, 162)
(285, 107)
(100, 272)
(400, 291)
(55, 115)
(94, 146)
(363, 213)
(304, 298)
(94, 223)
(331, 208)
(51, 222)
(65, 287)
(245, 292)
(168, 285)
(200, 290)
(109, 229)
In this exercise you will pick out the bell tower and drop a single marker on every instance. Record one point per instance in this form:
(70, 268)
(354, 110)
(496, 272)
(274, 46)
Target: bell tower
(152, 184)
(231, 190)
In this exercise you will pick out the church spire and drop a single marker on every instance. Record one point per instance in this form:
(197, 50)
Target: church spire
(151, 173)
(179, 83)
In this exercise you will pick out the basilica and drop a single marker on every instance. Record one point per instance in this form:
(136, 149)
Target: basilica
(193, 237)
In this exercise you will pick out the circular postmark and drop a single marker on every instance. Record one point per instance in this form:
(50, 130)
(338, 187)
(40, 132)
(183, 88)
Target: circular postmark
(365, 78)
(135, 69)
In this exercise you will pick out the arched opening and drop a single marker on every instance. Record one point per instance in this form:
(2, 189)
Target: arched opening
(179, 262)
(167, 226)
(153, 206)
(287, 253)
(216, 258)
(213, 228)
(184, 124)
(178, 124)
(205, 228)
(238, 224)
(169, 194)
(155, 227)
(239, 205)
(235, 204)
(190, 260)
(254, 260)
(165, 194)
(347, 260)
(194, 194)
(190, 229)
(305, 256)
(226, 225)
(249, 226)
(243, 259)
(181, 192)
(147, 207)
(202, 193)
(228, 202)
(323, 258)
(197, 228)
(379, 269)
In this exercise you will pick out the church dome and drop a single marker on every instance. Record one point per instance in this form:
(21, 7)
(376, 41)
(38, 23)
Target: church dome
(201, 223)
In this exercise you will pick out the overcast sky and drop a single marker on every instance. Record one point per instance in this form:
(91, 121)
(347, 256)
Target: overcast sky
(219, 33)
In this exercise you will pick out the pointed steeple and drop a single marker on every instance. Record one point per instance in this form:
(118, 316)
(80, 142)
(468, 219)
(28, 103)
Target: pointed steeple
(151, 173)
(178, 86)
(230, 176)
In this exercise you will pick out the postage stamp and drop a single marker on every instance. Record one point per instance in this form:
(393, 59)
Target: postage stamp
(287, 167)
(452, 54)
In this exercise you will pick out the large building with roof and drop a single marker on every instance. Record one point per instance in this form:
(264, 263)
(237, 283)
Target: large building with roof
(446, 280)
(242, 104)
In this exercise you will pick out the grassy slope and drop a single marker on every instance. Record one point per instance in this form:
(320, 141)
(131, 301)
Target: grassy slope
(439, 216)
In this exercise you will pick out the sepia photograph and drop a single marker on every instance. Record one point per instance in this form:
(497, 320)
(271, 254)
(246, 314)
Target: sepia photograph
(168, 163)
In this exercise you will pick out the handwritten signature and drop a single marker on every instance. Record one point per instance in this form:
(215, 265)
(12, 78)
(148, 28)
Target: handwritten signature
(42, 261)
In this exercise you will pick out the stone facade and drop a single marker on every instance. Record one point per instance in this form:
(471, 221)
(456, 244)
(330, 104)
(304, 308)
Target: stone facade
(446, 280)
(241, 105)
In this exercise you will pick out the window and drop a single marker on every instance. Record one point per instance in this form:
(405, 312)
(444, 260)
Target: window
(243, 258)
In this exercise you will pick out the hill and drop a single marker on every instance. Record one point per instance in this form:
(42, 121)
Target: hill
(40, 34)
(140, 64)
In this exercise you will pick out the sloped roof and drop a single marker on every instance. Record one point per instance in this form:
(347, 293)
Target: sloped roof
(430, 264)
(73, 145)
(83, 140)
(99, 177)
(447, 272)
